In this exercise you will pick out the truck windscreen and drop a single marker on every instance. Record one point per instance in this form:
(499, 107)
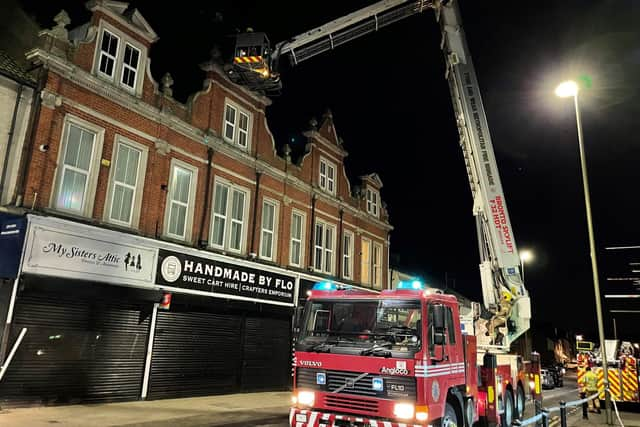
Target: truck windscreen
(365, 327)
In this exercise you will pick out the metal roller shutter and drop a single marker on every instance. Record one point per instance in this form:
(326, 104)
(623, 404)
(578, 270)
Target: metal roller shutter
(266, 354)
(195, 354)
(76, 350)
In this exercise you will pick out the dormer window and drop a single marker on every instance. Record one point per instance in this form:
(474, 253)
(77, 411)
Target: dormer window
(373, 202)
(130, 66)
(237, 123)
(120, 59)
(327, 179)
(108, 53)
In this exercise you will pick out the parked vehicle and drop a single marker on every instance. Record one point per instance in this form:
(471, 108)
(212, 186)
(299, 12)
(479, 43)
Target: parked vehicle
(548, 381)
(556, 371)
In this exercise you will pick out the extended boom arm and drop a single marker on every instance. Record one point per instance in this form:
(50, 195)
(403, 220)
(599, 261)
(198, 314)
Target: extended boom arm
(504, 294)
(503, 290)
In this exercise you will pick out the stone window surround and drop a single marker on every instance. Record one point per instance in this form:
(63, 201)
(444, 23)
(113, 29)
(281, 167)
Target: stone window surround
(245, 218)
(90, 196)
(142, 169)
(275, 235)
(303, 229)
(192, 196)
(239, 109)
(124, 39)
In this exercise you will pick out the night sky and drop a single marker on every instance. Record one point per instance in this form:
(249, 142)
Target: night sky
(391, 106)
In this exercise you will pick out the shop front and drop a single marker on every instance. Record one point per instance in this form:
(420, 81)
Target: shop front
(113, 316)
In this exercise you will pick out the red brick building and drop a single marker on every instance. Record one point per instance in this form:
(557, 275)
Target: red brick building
(112, 156)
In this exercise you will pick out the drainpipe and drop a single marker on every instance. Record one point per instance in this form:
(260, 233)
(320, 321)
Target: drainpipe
(10, 140)
(29, 140)
(207, 195)
(340, 244)
(255, 213)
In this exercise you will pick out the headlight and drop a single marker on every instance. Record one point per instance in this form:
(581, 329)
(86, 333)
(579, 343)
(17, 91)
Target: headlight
(532, 385)
(404, 411)
(306, 398)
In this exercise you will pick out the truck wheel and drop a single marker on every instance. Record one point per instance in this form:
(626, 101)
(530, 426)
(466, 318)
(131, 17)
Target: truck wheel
(508, 415)
(450, 418)
(520, 402)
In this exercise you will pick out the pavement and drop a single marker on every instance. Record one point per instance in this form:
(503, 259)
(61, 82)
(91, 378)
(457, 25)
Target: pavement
(629, 419)
(268, 409)
(235, 410)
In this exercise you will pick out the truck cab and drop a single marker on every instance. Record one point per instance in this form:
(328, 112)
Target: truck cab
(389, 359)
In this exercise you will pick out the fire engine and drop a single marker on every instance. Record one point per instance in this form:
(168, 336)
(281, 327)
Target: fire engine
(622, 361)
(409, 357)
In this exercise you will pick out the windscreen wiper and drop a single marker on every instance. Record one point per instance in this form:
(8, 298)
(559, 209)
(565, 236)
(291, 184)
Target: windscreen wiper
(324, 347)
(378, 349)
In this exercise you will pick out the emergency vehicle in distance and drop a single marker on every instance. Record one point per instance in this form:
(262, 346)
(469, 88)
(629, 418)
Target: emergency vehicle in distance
(400, 357)
(622, 361)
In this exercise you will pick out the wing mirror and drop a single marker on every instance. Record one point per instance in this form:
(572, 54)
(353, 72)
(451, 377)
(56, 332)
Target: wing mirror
(438, 318)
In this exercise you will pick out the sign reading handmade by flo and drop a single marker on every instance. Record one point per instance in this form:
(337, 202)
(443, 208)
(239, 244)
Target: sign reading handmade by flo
(185, 271)
(87, 254)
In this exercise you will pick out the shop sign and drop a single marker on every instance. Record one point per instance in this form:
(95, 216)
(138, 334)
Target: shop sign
(178, 270)
(12, 231)
(64, 253)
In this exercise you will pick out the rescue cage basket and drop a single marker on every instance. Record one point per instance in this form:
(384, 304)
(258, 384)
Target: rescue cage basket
(252, 44)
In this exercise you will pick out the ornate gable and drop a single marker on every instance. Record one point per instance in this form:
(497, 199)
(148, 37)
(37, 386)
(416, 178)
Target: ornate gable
(373, 179)
(121, 11)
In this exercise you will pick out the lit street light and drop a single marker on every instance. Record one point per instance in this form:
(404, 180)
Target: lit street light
(525, 257)
(565, 90)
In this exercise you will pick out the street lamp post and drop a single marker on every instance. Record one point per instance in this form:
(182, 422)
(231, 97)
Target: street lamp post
(565, 90)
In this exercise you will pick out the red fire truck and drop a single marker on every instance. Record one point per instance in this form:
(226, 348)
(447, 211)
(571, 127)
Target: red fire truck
(400, 358)
(409, 357)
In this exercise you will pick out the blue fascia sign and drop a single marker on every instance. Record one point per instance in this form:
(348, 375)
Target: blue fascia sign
(12, 233)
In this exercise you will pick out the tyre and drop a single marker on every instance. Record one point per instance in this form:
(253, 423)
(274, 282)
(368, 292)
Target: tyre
(520, 402)
(508, 416)
(450, 418)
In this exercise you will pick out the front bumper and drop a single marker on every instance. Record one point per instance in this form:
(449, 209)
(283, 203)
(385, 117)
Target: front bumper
(308, 418)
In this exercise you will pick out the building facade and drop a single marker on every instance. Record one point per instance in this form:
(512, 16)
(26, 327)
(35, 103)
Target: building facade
(165, 244)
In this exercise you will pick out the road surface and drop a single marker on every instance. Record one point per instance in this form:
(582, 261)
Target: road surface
(551, 398)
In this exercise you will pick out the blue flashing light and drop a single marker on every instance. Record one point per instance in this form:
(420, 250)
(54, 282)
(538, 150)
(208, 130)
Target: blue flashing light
(321, 378)
(325, 286)
(377, 384)
(413, 285)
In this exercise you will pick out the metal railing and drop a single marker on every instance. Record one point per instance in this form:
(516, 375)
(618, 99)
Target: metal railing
(543, 415)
